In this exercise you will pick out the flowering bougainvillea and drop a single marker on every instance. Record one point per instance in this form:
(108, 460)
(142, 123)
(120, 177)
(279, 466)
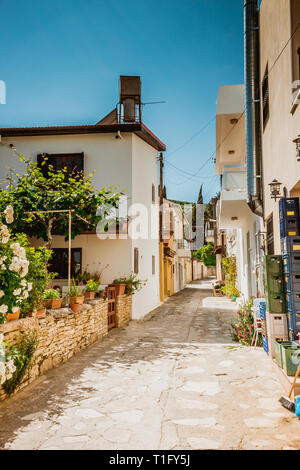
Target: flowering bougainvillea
(13, 269)
(243, 328)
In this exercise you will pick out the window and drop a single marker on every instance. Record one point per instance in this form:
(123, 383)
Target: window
(136, 260)
(270, 236)
(72, 161)
(265, 98)
(153, 193)
(59, 262)
(153, 265)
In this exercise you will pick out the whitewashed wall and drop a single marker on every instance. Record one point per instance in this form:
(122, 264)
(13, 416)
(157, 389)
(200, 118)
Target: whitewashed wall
(130, 164)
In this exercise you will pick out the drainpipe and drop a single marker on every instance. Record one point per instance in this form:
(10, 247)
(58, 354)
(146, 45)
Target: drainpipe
(252, 106)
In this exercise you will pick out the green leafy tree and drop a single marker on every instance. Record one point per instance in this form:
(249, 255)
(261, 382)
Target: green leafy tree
(42, 188)
(205, 254)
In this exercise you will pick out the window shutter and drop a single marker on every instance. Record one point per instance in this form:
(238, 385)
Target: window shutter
(153, 265)
(136, 260)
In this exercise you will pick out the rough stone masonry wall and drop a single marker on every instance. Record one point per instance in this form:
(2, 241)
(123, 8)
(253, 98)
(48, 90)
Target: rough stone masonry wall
(63, 334)
(123, 309)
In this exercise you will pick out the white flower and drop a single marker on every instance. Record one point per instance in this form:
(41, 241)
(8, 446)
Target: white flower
(23, 283)
(9, 214)
(17, 291)
(15, 309)
(19, 265)
(18, 250)
(3, 308)
(4, 234)
(2, 294)
(29, 286)
(25, 294)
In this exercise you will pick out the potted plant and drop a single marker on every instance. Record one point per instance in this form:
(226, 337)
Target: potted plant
(120, 285)
(90, 289)
(40, 311)
(52, 299)
(131, 284)
(75, 296)
(13, 316)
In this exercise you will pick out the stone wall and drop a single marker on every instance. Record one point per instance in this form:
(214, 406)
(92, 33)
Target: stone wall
(123, 310)
(64, 333)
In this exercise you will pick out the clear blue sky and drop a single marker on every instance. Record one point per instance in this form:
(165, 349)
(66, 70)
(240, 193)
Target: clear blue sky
(61, 61)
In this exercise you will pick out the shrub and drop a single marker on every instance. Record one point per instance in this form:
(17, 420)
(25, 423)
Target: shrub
(51, 294)
(38, 275)
(23, 353)
(14, 267)
(205, 254)
(91, 286)
(243, 328)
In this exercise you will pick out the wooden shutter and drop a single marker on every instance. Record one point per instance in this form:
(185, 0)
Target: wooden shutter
(136, 260)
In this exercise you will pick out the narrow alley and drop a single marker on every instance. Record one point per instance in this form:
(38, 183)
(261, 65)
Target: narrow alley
(159, 383)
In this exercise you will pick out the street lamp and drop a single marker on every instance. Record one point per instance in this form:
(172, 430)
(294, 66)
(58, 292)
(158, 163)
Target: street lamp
(275, 189)
(297, 142)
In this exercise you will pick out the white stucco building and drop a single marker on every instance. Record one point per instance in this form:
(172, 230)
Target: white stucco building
(234, 216)
(125, 156)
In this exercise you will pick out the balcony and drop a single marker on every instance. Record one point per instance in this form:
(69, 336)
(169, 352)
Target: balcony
(234, 183)
(232, 208)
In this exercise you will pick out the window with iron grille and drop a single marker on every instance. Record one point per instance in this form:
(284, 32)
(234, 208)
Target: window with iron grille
(59, 262)
(73, 162)
(270, 236)
(265, 98)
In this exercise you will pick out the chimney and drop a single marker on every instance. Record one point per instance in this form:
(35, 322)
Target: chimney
(130, 99)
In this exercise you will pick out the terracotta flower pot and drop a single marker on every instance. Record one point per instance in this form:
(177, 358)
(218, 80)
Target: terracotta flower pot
(89, 295)
(75, 307)
(41, 313)
(13, 316)
(77, 300)
(53, 303)
(30, 314)
(120, 288)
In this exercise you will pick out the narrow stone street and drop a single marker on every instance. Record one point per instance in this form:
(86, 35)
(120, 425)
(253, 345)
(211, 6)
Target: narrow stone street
(172, 381)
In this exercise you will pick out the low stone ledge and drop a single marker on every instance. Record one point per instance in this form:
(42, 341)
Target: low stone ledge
(64, 333)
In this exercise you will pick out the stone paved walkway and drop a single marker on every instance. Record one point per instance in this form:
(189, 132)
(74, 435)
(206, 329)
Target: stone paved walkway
(172, 381)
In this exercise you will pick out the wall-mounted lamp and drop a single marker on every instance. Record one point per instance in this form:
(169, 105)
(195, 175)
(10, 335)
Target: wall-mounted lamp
(297, 142)
(275, 189)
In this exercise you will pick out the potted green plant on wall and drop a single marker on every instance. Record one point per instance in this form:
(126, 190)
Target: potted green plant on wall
(131, 284)
(52, 299)
(120, 285)
(90, 290)
(75, 296)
